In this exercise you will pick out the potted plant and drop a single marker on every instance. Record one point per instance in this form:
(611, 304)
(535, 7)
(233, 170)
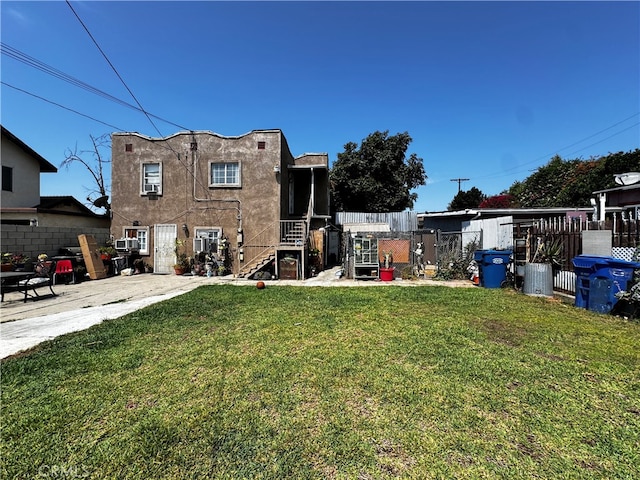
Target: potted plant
(386, 272)
(182, 264)
(628, 304)
(538, 275)
(14, 261)
(182, 261)
(107, 252)
(7, 265)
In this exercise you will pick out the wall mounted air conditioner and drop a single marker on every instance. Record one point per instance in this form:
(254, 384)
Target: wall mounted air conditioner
(200, 244)
(127, 244)
(133, 244)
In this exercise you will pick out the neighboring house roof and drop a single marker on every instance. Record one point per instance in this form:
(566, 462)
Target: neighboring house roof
(65, 205)
(635, 186)
(45, 166)
(500, 212)
(452, 221)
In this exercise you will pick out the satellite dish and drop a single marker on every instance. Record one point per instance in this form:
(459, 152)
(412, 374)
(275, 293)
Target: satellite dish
(627, 178)
(101, 202)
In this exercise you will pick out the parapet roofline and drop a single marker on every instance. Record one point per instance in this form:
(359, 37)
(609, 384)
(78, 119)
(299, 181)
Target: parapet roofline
(312, 154)
(195, 132)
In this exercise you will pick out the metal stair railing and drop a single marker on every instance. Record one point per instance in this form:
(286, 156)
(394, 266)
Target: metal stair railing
(293, 233)
(262, 246)
(258, 248)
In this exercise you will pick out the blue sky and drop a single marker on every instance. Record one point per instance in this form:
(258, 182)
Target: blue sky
(489, 91)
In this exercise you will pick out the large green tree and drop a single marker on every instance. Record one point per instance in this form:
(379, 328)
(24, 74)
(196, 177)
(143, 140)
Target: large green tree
(377, 176)
(570, 183)
(467, 199)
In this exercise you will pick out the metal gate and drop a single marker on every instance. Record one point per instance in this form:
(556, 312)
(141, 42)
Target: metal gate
(164, 239)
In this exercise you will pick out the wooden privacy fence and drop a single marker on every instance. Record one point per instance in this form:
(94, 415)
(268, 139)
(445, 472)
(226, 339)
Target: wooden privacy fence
(625, 237)
(439, 247)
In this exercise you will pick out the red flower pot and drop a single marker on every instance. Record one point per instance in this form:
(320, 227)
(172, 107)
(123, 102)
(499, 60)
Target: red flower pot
(386, 274)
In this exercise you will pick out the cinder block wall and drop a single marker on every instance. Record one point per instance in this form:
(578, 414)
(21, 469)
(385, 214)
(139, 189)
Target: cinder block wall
(33, 241)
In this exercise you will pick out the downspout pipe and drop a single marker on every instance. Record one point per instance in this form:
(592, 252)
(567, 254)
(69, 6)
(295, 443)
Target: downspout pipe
(238, 207)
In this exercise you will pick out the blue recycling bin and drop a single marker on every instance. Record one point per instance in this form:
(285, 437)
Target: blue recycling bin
(599, 279)
(584, 266)
(492, 266)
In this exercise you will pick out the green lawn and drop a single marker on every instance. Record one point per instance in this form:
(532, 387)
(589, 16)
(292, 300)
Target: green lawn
(354, 383)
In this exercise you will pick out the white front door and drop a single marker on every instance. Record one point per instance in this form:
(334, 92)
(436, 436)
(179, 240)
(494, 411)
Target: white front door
(164, 239)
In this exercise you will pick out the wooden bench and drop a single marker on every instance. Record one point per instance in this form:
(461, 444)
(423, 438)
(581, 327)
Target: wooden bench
(30, 281)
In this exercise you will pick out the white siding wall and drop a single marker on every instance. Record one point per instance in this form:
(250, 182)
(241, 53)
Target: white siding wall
(497, 233)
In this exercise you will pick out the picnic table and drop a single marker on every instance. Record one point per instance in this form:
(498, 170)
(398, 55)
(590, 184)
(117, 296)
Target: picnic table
(24, 282)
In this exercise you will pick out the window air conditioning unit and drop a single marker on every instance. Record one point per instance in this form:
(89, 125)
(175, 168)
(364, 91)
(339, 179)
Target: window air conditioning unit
(127, 244)
(200, 244)
(133, 244)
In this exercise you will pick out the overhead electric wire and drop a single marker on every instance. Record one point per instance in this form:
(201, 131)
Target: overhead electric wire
(517, 169)
(606, 138)
(113, 68)
(43, 67)
(61, 106)
(582, 140)
(168, 146)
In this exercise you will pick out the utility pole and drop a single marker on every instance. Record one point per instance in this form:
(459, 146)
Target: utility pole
(459, 180)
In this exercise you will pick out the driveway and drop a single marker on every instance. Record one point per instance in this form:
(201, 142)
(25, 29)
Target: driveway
(77, 307)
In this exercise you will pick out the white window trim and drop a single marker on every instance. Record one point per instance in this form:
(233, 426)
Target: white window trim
(197, 232)
(226, 185)
(145, 229)
(142, 178)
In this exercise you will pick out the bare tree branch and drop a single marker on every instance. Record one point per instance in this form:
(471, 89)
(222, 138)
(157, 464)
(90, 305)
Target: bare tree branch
(95, 168)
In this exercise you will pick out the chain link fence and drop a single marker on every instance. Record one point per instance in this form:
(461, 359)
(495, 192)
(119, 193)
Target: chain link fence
(416, 254)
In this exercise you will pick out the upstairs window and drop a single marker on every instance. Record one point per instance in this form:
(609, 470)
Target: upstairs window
(7, 179)
(151, 178)
(225, 174)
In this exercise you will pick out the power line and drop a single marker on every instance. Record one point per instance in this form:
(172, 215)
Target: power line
(168, 144)
(606, 138)
(582, 140)
(61, 106)
(113, 68)
(518, 168)
(43, 67)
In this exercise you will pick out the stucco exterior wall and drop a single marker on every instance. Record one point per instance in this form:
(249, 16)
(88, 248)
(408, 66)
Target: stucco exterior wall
(26, 176)
(186, 198)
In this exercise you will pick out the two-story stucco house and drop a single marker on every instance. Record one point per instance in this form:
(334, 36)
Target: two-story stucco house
(247, 194)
